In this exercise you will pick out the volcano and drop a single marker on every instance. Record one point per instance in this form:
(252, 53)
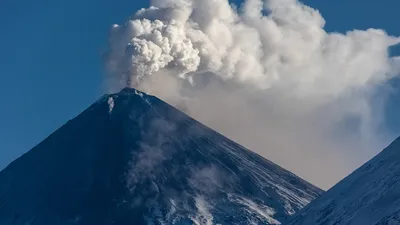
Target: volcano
(131, 158)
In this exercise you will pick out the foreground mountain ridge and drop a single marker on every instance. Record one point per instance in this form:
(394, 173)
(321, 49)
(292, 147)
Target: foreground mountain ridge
(368, 196)
(132, 159)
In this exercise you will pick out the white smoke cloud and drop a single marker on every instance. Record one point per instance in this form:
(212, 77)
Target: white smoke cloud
(266, 75)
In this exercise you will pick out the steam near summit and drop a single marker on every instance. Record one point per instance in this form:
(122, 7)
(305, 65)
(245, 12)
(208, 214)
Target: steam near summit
(268, 67)
(287, 47)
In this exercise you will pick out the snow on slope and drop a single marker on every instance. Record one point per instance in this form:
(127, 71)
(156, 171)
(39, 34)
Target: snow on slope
(132, 159)
(369, 196)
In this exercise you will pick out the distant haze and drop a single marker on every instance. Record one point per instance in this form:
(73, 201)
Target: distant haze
(265, 74)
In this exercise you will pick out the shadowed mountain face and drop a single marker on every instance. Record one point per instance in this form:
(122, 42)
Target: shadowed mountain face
(369, 196)
(133, 159)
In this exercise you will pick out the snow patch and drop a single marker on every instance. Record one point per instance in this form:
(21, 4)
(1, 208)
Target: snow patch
(139, 93)
(203, 216)
(260, 211)
(172, 209)
(111, 104)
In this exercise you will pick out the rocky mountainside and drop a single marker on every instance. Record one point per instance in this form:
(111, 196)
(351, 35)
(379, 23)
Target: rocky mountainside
(130, 158)
(369, 196)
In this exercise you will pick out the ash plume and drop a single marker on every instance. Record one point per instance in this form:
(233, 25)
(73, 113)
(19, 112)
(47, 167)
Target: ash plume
(265, 74)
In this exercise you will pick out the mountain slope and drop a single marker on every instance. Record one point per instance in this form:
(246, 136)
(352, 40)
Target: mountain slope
(132, 159)
(370, 195)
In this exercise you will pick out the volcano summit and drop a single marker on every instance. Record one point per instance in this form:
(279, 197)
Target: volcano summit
(130, 158)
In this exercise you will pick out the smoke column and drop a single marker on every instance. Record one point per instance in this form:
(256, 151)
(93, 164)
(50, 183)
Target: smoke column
(266, 75)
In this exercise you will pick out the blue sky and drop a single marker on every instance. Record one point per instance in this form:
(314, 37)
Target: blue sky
(51, 67)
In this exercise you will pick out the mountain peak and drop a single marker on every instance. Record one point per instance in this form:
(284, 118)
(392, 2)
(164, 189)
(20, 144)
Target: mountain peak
(131, 158)
(129, 91)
